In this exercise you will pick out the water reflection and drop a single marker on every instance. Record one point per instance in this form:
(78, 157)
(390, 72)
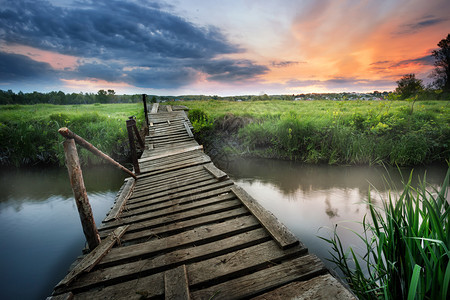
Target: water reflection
(310, 200)
(41, 230)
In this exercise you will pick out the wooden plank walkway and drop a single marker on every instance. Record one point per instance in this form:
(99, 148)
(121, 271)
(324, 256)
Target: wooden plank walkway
(184, 230)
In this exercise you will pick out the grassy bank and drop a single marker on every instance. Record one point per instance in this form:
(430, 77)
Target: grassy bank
(334, 132)
(29, 133)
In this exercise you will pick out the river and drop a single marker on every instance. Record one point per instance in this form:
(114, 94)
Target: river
(41, 233)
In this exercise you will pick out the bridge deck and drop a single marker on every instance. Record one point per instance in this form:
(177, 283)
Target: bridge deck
(184, 230)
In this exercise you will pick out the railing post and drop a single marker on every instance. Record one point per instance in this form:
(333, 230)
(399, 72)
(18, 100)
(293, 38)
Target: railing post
(144, 99)
(132, 146)
(136, 132)
(79, 192)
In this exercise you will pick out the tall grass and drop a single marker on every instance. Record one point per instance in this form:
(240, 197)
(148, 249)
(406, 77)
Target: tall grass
(29, 133)
(407, 243)
(343, 132)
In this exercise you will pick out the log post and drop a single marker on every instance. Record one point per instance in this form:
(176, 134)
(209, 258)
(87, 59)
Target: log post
(136, 132)
(144, 99)
(132, 146)
(79, 192)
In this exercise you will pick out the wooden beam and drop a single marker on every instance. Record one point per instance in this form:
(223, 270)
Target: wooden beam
(216, 172)
(94, 257)
(121, 200)
(170, 153)
(169, 108)
(188, 129)
(277, 230)
(155, 107)
(175, 284)
(66, 296)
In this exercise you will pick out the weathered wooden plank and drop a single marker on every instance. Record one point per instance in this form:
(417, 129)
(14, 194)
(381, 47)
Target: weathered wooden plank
(320, 287)
(121, 200)
(169, 108)
(190, 163)
(215, 189)
(174, 210)
(219, 174)
(301, 268)
(146, 287)
(188, 129)
(197, 236)
(180, 217)
(66, 296)
(239, 263)
(277, 230)
(182, 226)
(155, 107)
(94, 257)
(173, 152)
(165, 262)
(156, 207)
(175, 284)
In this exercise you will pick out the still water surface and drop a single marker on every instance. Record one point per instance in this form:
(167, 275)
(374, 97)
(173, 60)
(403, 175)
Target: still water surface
(41, 233)
(311, 199)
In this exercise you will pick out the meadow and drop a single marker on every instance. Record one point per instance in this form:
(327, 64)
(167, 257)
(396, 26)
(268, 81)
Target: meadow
(29, 133)
(333, 132)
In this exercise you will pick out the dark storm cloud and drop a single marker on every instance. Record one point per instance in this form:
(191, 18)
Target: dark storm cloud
(15, 67)
(121, 34)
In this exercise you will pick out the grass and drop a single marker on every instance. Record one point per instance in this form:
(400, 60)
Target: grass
(337, 132)
(29, 133)
(407, 243)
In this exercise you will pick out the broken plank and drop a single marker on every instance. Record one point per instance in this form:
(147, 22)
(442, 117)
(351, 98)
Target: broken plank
(175, 284)
(121, 200)
(216, 172)
(277, 230)
(90, 260)
(188, 129)
(155, 107)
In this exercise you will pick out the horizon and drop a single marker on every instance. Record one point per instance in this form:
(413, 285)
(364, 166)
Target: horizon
(233, 48)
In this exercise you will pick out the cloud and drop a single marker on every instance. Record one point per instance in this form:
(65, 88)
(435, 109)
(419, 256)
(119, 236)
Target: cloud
(286, 63)
(122, 41)
(16, 67)
(426, 60)
(426, 21)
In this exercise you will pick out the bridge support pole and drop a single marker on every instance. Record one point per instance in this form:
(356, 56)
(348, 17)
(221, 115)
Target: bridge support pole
(79, 192)
(130, 123)
(144, 99)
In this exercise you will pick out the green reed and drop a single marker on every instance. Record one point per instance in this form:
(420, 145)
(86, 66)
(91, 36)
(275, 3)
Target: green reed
(406, 242)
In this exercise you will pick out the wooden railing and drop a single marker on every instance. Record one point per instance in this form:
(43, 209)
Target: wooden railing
(77, 182)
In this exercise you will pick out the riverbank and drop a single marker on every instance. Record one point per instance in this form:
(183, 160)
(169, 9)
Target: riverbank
(333, 132)
(29, 133)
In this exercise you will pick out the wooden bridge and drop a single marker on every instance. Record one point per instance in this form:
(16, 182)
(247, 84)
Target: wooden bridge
(184, 230)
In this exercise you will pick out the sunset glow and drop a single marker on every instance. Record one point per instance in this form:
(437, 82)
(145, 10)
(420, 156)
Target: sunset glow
(217, 47)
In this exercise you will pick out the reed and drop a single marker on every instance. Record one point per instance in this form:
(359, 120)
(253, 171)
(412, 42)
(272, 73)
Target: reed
(407, 243)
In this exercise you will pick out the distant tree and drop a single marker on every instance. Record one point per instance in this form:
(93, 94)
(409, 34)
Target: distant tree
(442, 64)
(409, 86)
(101, 97)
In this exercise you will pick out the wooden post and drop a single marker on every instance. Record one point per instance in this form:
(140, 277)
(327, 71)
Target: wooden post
(136, 132)
(132, 146)
(79, 192)
(144, 99)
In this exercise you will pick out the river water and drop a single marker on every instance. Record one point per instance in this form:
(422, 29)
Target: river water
(41, 233)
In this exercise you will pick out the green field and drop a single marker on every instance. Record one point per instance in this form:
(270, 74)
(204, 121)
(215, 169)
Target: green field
(29, 133)
(333, 132)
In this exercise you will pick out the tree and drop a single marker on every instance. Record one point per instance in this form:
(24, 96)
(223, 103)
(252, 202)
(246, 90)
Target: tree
(409, 86)
(442, 64)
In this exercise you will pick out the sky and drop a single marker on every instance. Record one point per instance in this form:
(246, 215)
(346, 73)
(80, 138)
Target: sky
(216, 47)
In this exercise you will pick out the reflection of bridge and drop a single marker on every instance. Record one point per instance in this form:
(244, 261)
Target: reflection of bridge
(182, 229)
